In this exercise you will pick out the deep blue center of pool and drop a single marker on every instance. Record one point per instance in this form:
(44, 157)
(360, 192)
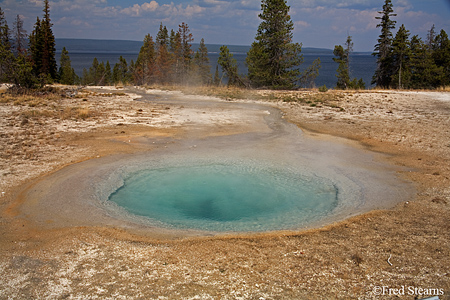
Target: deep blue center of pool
(226, 197)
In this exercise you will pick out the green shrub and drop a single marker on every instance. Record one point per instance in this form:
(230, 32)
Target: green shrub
(323, 89)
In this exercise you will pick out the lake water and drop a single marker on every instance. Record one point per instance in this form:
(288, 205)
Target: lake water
(82, 52)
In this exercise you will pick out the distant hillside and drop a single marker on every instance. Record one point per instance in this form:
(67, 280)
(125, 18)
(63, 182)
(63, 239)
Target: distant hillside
(94, 46)
(133, 47)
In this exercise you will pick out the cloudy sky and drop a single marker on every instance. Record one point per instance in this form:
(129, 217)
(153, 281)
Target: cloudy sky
(318, 23)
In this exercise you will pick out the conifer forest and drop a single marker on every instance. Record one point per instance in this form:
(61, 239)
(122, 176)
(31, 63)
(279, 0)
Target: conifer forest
(404, 60)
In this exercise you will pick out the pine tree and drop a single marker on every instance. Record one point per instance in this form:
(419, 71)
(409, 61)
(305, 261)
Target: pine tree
(342, 75)
(131, 70)
(23, 75)
(431, 37)
(310, 74)
(5, 37)
(401, 53)
(144, 67)
(66, 73)
(49, 51)
(425, 74)
(343, 72)
(441, 55)
(108, 74)
(229, 67)
(273, 59)
(100, 76)
(85, 80)
(7, 59)
(201, 61)
(343, 58)
(20, 37)
(383, 50)
(162, 37)
(176, 50)
(36, 46)
(42, 47)
(94, 72)
(116, 78)
(123, 74)
(256, 59)
(216, 79)
(163, 58)
(187, 53)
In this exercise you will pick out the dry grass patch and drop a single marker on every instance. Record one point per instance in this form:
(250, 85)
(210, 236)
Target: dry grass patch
(68, 113)
(31, 98)
(78, 113)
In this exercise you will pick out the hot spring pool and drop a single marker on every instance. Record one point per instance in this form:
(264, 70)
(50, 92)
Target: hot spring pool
(226, 197)
(259, 174)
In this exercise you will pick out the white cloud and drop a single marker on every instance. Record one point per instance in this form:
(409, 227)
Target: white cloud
(166, 10)
(138, 10)
(299, 25)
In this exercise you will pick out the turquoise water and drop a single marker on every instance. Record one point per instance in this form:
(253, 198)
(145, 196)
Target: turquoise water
(226, 197)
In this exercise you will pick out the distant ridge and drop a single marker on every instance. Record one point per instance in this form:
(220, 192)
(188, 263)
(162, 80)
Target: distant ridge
(133, 47)
(100, 46)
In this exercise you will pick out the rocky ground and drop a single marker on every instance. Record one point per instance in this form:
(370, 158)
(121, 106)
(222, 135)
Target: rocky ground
(403, 252)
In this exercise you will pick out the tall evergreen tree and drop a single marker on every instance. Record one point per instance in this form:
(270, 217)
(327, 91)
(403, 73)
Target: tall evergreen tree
(348, 50)
(441, 55)
(20, 37)
(7, 59)
(120, 72)
(36, 46)
(229, 67)
(94, 72)
(273, 59)
(342, 75)
(66, 73)
(401, 53)
(162, 37)
(163, 58)
(17, 70)
(201, 61)
(425, 74)
(116, 78)
(42, 47)
(23, 74)
(49, 51)
(310, 74)
(5, 37)
(187, 53)
(343, 58)
(383, 50)
(176, 50)
(100, 75)
(343, 72)
(108, 74)
(216, 79)
(85, 80)
(144, 67)
(431, 35)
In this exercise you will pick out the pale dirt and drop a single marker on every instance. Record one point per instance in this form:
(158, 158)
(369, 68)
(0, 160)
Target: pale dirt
(407, 246)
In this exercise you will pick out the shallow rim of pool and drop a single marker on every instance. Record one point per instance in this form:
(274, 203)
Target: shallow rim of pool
(78, 195)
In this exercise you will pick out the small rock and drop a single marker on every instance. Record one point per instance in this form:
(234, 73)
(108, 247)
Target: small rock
(439, 200)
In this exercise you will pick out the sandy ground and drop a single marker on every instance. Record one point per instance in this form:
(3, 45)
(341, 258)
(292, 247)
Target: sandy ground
(402, 252)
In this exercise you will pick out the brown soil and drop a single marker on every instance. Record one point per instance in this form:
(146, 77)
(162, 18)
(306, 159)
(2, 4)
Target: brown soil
(405, 249)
